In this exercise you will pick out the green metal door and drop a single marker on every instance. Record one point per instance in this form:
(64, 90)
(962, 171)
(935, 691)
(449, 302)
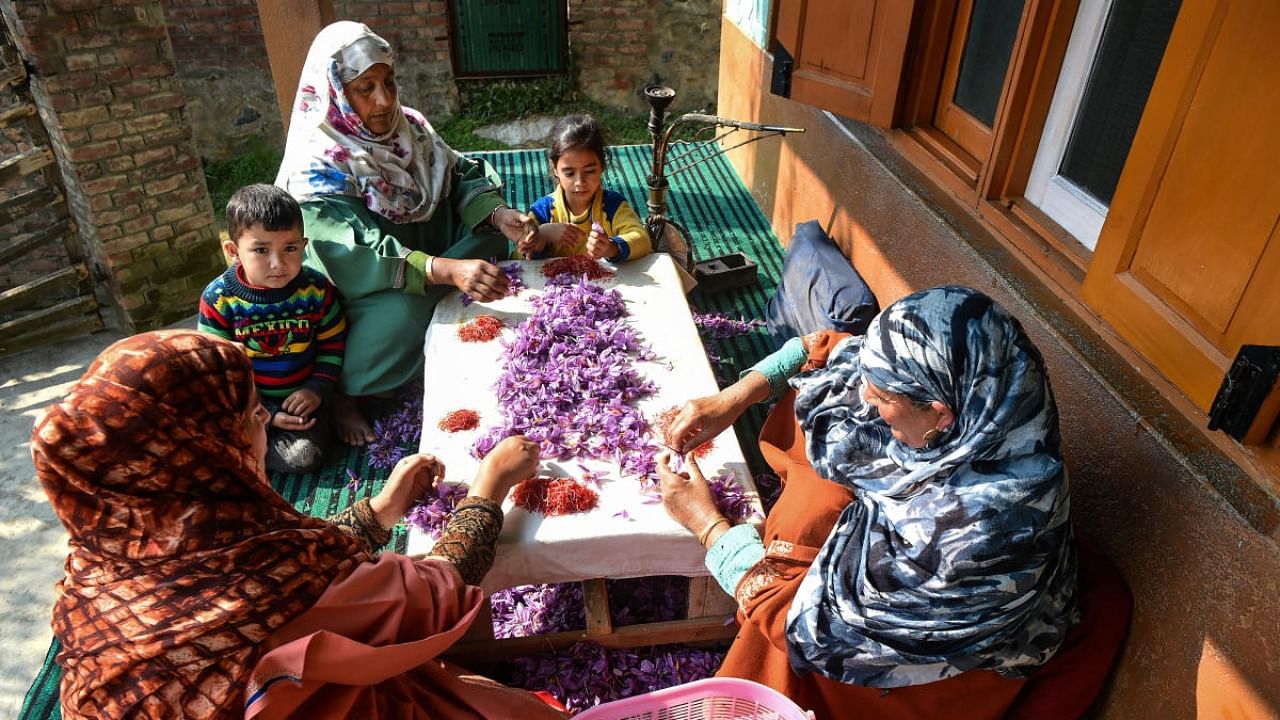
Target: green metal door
(497, 38)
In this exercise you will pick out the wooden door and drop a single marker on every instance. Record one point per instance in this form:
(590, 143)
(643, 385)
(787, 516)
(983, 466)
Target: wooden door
(1187, 266)
(848, 54)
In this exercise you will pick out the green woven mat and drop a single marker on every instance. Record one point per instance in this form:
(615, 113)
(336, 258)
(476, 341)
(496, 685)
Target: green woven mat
(709, 199)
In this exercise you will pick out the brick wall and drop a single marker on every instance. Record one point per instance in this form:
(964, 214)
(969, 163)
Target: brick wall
(618, 47)
(419, 32)
(104, 79)
(214, 33)
(623, 45)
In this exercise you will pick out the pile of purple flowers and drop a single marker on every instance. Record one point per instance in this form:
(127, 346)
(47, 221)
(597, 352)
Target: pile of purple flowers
(397, 434)
(568, 383)
(586, 674)
(526, 610)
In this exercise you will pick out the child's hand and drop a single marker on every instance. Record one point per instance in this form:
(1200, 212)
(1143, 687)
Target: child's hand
(302, 402)
(599, 245)
(561, 235)
(288, 421)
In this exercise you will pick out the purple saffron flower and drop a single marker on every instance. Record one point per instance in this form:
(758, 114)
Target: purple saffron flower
(432, 513)
(730, 499)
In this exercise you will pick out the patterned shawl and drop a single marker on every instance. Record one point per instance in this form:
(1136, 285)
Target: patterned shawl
(953, 557)
(401, 175)
(183, 559)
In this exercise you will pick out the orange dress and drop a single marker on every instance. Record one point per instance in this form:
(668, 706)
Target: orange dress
(794, 531)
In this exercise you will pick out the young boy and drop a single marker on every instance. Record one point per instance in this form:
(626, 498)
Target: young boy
(285, 315)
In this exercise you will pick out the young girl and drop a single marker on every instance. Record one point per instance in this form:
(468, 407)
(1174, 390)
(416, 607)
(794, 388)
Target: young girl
(581, 217)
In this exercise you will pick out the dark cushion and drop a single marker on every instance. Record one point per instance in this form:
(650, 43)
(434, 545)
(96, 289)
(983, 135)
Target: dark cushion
(819, 290)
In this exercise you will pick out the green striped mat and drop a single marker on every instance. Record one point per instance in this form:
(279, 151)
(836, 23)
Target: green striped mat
(708, 198)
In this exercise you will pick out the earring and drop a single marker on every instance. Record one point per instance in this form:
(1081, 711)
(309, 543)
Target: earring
(930, 435)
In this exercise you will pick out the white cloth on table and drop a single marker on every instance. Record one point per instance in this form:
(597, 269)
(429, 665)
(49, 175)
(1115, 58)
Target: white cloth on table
(603, 543)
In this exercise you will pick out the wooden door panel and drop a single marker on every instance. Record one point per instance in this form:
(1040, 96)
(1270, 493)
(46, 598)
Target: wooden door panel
(1186, 268)
(1216, 206)
(848, 54)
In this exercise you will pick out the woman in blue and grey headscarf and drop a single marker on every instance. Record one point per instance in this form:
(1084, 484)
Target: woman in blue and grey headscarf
(919, 561)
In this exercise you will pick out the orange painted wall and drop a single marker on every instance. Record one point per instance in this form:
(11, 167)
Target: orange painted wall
(1205, 639)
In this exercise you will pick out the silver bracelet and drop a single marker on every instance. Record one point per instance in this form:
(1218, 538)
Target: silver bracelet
(493, 217)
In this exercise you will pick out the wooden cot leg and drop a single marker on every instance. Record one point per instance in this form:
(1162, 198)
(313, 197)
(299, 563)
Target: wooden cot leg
(707, 599)
(596, 597)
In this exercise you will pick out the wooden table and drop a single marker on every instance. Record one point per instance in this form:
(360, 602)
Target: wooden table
(628, 535)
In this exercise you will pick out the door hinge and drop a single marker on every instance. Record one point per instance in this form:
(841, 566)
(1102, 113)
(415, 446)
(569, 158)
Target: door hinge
(1244, 391)
(783, 64)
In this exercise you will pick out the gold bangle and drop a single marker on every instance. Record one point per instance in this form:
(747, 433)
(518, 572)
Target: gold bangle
(702, 537)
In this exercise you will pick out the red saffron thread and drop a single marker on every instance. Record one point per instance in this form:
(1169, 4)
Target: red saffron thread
(662, 424)
(555, 496)
(459, 420)
(576, 265)
(482, 329)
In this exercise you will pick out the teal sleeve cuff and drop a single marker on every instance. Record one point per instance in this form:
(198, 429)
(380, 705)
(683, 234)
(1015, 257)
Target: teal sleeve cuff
(781, 366)
(734, 553)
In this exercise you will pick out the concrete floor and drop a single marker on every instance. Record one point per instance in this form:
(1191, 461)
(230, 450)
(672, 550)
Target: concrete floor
(35, 543)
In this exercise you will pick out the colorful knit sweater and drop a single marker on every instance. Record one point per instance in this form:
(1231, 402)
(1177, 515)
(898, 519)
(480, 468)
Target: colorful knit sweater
(295, 336)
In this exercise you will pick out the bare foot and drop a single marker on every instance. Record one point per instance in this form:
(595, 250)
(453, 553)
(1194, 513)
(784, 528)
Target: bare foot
(353, 428)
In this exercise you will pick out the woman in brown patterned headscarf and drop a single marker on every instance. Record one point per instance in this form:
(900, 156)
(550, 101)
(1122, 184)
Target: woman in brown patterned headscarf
(185, 564)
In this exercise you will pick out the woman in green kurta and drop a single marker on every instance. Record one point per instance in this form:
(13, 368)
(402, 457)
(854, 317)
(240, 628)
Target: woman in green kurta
(395, 217)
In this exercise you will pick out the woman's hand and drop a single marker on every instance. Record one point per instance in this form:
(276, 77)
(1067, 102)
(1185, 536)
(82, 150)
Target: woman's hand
(410, 480)
(515, 224)
(687, 497)
(482, 280)
(508, 464)
(560, 235)
(601, 246)
(531, 244)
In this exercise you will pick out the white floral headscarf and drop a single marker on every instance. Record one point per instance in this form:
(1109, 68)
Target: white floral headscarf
(401, 175)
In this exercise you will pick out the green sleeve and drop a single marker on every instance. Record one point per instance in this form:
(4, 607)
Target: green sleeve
(733, 554)
(780, 366)
(348, 245)
(477, 190)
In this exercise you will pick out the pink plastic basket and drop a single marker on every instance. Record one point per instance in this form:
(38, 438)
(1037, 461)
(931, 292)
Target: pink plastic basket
(710, 699)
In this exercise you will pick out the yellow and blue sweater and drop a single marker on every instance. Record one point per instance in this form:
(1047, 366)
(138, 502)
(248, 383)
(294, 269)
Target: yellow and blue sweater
(295, 336)
(608, 208)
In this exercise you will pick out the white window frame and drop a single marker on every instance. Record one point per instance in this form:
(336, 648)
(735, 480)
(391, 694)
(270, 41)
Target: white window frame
(1078, 212)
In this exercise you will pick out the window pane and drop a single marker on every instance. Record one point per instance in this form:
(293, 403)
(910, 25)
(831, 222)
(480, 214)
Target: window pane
(1132, 45)
(993, 26)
